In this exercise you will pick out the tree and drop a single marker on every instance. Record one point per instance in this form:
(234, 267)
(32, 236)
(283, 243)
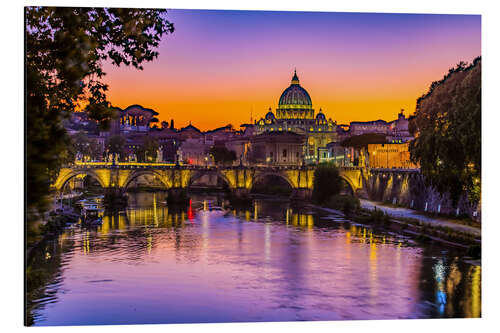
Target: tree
(87, 147)
(116, 145)
(222, 155)
(65, 51)
(447, 130)
(172, 124)
(327, 182)
(362, 141)
(148, 150)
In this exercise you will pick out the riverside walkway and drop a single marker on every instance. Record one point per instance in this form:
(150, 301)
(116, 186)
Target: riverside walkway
(409, 213)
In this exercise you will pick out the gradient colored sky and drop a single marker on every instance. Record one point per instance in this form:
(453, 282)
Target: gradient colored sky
(219, 67)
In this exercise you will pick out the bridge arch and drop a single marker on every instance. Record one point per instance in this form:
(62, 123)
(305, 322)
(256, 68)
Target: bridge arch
(138, 173)
(65, 176)
(200, 173)
(350, 184)
(261, 175)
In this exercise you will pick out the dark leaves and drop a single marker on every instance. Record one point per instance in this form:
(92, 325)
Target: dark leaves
(65, 50)
(447, 130)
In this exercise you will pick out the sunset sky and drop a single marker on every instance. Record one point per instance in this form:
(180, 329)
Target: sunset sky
(219, 67)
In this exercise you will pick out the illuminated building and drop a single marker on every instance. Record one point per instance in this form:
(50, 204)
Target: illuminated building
(389, 155)
(195, 151)
(136, 118)
(275, 148)
(295, 114)
(396, 131)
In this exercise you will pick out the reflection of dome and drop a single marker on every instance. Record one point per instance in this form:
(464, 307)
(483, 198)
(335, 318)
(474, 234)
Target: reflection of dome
(295, 95)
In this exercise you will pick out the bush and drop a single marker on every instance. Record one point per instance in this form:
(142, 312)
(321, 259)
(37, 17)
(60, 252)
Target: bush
(474, 251)
(379, 216)
(345, 203)
(222, 155)
(327, 182)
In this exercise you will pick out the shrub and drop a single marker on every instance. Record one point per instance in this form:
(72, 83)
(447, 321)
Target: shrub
(474, 251)
(345, 203)
(379, 216)
(327, 182)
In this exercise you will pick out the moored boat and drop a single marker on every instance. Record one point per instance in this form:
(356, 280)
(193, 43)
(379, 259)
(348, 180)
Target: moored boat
(91, 213)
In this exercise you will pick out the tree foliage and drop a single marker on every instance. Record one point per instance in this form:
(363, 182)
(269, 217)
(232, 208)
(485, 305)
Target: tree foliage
(327, 182)
(148, 150)
(222, 155)
(65, 51)
(85, 146)
(447, 130)
(116, 145)
(362, 141)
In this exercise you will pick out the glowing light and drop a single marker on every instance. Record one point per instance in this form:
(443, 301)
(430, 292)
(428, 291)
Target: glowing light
(190, 211)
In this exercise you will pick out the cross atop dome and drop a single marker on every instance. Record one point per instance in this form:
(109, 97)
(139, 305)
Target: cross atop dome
(295, 78)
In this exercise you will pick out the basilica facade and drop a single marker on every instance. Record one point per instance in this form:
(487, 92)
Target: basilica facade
(295, 113)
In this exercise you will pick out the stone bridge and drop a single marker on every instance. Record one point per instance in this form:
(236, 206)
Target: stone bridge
(240, 179)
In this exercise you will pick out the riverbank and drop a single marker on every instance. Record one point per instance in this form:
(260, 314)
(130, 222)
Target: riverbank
(406, 213)
(420, 227)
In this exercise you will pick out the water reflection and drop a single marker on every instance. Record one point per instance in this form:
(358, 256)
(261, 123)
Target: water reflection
(271, 261)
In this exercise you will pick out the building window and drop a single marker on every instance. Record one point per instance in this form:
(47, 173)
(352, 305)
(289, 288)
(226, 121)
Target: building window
(284, 152)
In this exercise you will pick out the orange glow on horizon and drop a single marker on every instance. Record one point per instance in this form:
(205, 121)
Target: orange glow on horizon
(210, 106)
(355, 66)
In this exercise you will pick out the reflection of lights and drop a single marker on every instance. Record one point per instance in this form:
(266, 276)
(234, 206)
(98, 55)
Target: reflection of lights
(439, 276)
(204, 231)
(374, 285)
(373, 250)
(439, 270)
(190, 211)
(155, 216)
(86, 243)
(267, 241)
(149, 243)
(476, 292)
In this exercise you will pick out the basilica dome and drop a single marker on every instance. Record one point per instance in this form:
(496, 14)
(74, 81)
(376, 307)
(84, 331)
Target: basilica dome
(270, 116)
(295, 95)
(320, 116)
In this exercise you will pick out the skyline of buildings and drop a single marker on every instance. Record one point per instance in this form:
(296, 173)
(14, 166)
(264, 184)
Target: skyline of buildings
(294, 134)
(221, 67)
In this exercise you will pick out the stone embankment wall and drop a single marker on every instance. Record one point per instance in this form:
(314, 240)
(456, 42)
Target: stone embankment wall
(407, 188)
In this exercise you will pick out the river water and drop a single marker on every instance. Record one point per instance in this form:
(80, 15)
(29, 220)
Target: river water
(271, 262)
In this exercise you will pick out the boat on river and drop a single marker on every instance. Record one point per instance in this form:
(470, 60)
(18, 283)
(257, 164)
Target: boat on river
(213, 211)
(91, 213)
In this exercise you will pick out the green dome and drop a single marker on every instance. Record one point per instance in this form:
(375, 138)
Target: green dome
(295, 95)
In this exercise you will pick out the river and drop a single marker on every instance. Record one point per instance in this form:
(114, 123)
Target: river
(271, 262)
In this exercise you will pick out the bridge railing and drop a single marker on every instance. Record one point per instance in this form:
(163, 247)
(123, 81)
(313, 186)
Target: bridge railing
(137, 165)
(404, 170)
(163, 165)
